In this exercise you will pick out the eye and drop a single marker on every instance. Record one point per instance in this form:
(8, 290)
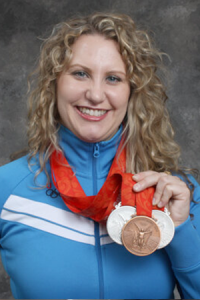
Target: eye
(113, 79)
(80, 74)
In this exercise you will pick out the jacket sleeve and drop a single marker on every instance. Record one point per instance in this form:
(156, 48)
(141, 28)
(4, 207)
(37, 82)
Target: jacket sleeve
(184, 250)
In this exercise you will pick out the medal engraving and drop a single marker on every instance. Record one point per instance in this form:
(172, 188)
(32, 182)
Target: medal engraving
(117, 219)
(166, 226)
(141, 235)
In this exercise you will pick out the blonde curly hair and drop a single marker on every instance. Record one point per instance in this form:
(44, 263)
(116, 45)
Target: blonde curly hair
(148, 133)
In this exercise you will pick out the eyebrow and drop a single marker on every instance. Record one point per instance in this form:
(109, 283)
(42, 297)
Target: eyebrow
(89, 70)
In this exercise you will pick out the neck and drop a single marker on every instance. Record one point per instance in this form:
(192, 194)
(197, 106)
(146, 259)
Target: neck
(91, 162)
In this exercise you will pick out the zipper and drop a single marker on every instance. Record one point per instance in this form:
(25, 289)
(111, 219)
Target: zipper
(96, 154)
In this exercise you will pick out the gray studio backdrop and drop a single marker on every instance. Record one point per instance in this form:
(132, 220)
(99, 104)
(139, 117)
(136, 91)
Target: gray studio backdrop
(175, 25)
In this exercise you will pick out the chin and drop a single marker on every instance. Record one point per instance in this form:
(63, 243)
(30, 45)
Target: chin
(90, 140)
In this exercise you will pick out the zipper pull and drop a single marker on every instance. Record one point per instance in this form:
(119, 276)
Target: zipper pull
(96, 152)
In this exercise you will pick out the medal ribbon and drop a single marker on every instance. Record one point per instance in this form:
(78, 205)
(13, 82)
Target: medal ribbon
(99, 207)
(142, 200)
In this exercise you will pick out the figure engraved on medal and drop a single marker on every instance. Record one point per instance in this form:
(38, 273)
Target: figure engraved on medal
(117, 219)
(141, 235)
(166, 226)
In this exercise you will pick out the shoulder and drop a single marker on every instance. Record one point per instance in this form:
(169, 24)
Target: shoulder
(15, 169)
(11, 175)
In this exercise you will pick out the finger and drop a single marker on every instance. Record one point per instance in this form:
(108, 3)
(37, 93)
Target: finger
(175, 190)
(166, 196)
(164, 187)
(148, 181)
(142, 175)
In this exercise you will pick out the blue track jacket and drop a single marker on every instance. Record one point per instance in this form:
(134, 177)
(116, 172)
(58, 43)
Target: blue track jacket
(50, 252)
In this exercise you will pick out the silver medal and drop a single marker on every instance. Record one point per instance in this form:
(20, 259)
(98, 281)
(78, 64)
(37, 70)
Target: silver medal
(166, 226)
(116, 221)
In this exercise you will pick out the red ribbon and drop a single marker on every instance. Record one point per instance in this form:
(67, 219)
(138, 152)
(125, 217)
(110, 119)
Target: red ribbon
(99, 207)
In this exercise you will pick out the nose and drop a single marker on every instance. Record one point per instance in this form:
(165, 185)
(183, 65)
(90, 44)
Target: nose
(95, 93)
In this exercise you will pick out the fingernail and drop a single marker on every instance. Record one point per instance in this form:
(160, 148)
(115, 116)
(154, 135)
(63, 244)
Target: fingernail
(135, 177)
(136, 187)
(160, 204)
(154, 201)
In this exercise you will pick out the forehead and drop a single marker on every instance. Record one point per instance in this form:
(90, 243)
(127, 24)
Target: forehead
(97, 50)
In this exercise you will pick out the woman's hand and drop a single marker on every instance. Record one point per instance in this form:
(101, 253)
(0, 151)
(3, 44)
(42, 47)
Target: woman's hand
(170, 191)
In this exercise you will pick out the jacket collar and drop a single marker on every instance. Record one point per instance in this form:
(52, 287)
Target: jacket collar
(82, 155)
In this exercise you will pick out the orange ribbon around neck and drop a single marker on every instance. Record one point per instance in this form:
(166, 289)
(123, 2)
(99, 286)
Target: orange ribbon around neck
(98, 207)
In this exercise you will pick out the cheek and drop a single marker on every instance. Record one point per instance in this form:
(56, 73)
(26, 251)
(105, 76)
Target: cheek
(67, 96)
(123, 110)
(68, 90)
(120, 100)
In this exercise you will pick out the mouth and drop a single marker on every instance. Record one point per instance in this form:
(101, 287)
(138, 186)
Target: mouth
(92, 112)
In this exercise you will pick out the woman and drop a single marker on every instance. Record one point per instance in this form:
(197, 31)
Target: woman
(96, 117)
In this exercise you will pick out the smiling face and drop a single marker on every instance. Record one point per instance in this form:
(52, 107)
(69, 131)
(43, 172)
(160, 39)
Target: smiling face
(93, 93)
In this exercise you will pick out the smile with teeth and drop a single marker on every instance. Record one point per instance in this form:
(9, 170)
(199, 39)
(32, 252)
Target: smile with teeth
(92, 112)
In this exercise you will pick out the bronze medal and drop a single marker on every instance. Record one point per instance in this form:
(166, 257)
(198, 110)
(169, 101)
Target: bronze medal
(141, 236)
